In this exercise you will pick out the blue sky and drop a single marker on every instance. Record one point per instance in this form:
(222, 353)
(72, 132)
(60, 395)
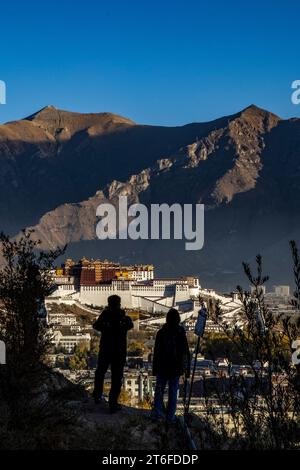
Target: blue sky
(157, 62)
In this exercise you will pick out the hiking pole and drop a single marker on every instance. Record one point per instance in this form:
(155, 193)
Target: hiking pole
(193, 376)
(186, 390)
(199, 331)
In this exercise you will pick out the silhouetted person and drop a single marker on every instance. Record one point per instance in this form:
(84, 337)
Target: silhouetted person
(113, 324)
(171, 360)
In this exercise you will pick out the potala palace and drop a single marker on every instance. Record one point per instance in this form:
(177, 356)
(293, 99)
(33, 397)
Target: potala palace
(90, 283)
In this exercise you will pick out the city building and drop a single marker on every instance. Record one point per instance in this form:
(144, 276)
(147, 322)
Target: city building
(89, 272)
(261, 288)
(61, 319)
(282, 291)
(155, 295)
(68, 342)
(90, 283)
(135, 284)
(139, 385)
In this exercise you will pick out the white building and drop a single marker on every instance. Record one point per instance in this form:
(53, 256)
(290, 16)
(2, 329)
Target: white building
(260, 288)
(138, 385)
(77, 328)
(282, 291)
(155, 295)
(68, 342)
(142, 273)
(62, 319)
(65, 289)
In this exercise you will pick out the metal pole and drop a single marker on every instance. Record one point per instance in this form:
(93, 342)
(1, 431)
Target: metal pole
(193, 376)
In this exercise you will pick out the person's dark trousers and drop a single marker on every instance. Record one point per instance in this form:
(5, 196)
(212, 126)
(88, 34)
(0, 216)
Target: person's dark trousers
(116, 366)
(102, 366)
(173, 385)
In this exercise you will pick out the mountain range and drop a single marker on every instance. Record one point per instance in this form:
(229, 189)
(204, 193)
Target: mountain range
(57, 166)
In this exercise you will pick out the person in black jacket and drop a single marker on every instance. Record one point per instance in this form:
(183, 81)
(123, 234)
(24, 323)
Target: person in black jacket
(113, 324)
(171, 359)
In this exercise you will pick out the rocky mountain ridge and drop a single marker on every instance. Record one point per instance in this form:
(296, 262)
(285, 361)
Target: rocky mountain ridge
(245, 168)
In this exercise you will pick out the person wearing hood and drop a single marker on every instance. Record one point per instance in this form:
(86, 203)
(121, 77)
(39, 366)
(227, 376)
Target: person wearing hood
(171, 359)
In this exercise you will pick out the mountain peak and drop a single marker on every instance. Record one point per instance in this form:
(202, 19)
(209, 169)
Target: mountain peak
(41, 112)
(259, 118)
(47, 111)
(256, 110)
(253, 107)
(55, 120)
(49, 106)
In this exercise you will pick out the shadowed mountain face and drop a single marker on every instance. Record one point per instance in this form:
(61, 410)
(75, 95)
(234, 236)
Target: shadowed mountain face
(56, 167)
(54, 156)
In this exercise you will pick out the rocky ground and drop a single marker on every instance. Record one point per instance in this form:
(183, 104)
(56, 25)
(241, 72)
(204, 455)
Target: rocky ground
(62, 416)
(133, 429)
